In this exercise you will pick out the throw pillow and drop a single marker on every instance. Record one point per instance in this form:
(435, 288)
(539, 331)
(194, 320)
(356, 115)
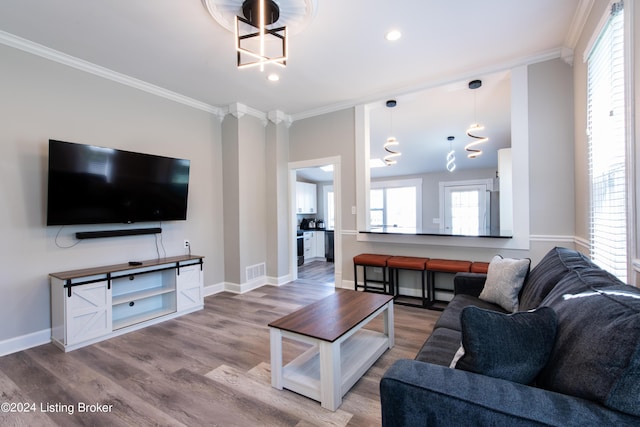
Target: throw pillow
(514, 347)
(504, 281)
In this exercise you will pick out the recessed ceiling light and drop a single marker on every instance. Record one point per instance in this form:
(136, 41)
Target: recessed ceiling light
(393, 35)
(327, 168)
(273, 77)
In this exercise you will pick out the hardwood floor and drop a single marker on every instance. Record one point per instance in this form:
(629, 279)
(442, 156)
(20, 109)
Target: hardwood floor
(317, 272)
(203, 369)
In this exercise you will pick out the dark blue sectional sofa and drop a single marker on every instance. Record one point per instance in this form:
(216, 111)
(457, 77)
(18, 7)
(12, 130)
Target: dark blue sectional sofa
(591, 377)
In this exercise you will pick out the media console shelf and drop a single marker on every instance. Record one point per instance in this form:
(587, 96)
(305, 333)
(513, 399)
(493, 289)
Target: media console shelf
(94, 304)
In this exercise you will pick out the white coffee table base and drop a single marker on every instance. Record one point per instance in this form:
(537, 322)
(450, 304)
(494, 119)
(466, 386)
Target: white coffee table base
(328, 370)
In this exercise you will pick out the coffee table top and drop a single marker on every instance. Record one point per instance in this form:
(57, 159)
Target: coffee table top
(333, 316)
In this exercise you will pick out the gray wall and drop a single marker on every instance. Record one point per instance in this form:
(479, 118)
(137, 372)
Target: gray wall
(551, 168)
(43, 99)
(327, 136)
(245, 214)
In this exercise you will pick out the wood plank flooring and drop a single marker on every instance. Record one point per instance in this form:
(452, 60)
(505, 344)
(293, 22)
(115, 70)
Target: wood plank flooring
(209, 368)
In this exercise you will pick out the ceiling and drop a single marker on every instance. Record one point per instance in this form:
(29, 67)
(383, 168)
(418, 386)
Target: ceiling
(340, 59)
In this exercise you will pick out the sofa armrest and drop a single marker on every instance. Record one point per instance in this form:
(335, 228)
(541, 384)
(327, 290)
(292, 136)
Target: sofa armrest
(469, 283)
(415, 393)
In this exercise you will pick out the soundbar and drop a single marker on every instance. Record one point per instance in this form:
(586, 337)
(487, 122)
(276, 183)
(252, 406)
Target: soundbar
(117, 233)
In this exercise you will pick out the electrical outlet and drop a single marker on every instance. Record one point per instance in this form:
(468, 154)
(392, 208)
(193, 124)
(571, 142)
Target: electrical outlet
(187, 244)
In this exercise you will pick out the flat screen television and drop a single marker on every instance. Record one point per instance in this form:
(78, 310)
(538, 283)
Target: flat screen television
(98, 185)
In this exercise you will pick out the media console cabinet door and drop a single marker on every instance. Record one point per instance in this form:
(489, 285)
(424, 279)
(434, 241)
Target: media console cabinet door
(88, 312)
(189, 287)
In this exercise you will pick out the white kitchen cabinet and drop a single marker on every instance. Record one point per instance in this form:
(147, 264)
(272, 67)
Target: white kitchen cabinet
(94, 304)
(306, 198)
(309, 245)
(320, 244)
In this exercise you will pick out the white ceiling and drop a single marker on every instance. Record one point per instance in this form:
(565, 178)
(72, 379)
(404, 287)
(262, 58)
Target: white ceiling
(339, 60)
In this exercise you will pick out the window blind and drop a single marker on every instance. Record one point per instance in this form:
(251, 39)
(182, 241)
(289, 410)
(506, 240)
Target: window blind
(607, 146)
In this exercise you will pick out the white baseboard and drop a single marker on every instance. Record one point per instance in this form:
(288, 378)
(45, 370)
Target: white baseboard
(13, 345)
(241, 288)
(213, 289)
(348, 284)
(279, 281)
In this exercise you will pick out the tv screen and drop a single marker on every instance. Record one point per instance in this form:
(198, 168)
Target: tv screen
(97, 185)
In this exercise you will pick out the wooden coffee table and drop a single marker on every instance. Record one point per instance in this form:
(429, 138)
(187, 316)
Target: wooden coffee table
(341, 351)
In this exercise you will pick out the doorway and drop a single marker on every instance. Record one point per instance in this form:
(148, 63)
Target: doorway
(315, 221)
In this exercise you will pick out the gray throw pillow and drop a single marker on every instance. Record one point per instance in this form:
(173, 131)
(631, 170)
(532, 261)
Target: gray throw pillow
(505, 278)
(514, 347)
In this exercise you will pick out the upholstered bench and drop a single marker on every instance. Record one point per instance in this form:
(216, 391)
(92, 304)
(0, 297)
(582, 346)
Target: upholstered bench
(372, 285)
(444, 266)
(479, 267)
(397, 263)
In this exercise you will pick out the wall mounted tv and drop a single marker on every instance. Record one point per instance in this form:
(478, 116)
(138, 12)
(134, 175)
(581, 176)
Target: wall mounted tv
(97, 185)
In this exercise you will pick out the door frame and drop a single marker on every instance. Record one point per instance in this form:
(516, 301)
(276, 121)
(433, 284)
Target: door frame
(293, 223)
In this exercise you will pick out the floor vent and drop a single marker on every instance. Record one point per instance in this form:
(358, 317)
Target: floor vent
(256, 271)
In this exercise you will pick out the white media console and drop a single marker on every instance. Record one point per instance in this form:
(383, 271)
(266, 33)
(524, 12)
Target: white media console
(94, 304)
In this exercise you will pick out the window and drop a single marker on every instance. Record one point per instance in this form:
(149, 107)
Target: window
(607, 146)
(465, 207)
(396, 205)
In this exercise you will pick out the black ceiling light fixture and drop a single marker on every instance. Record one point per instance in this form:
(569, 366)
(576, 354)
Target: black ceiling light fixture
(258, 42)
(389, 159)
(262, 28)
(472, 147)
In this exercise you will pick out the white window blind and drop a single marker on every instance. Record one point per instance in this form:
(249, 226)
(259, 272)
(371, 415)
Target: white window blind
(607, 146)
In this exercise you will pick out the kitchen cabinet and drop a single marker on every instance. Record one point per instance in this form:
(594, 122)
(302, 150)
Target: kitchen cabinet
(306, 198)
(309, 245)
(320, 244)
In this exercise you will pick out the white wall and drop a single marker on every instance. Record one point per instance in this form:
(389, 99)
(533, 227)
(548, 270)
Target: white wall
(43, 99)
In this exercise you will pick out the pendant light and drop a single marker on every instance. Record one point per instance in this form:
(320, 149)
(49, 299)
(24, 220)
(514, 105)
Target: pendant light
(451, 155)
(473, 147)
(392, 142)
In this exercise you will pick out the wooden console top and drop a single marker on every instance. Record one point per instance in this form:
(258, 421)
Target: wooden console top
(333, 316)
(73, 274)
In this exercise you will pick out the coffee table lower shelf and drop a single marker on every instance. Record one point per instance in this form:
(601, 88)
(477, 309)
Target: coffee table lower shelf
(358, 353)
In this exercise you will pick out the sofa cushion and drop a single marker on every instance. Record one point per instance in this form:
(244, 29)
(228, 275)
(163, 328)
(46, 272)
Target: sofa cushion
(440, 347)
(596, 355)
(548, 272)
(504, 281)
(450, 318)
(513, 347)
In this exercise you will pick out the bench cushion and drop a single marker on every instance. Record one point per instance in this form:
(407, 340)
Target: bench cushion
(407, 262)
(448, 265)
(373, 260)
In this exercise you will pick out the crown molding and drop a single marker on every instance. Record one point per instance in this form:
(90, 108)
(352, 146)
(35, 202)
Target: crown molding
(239, 110)
(577, 23)
(28, 46)
(277, 117)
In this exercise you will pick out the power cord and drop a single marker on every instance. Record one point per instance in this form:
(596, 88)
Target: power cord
(59, 245)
